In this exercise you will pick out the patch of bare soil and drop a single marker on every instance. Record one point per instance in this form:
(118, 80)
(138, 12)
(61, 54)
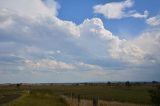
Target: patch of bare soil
(8, 98)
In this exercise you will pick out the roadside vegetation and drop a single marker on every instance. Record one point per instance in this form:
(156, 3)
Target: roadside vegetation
(36, 97)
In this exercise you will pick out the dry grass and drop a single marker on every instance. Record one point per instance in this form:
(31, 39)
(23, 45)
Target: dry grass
(83, 102)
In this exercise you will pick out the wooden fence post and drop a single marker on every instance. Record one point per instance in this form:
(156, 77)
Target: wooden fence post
(79, 99)
(95, 101)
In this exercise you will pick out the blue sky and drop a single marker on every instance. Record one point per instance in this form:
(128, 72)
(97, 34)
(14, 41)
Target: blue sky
(79, 40)
(83, 9)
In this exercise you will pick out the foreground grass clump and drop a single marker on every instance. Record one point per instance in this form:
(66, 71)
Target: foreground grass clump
(38, 97)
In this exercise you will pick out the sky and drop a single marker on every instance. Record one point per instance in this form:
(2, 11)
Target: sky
(52, 41)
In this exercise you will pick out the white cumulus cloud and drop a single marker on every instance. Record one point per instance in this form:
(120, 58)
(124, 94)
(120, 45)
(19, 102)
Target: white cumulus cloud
(153, 21)
(47, 64)
(117, 10)
(32, 8)
(129, 50)
(143, 49)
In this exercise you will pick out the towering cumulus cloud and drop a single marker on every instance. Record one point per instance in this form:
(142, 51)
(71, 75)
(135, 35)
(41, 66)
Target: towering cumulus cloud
(34, 42)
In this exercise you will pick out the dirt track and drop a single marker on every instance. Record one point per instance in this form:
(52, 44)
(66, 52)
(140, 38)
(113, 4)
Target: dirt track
(8, 98)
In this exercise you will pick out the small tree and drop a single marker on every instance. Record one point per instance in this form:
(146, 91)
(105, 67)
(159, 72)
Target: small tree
(154, 82)
(155, 96)
(18, 85)
(128, 84)
(109, 83)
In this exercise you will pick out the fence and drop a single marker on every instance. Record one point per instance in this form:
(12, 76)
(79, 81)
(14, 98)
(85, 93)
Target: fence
(77, 99)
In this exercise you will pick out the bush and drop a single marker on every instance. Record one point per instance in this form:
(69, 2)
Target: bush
(155, 96)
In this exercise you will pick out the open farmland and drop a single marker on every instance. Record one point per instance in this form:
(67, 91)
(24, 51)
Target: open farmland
(65, 95)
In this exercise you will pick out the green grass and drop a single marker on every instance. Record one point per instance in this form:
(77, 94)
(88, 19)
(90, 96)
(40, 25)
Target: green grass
(50, 95)
(38, 97)
(135, 94)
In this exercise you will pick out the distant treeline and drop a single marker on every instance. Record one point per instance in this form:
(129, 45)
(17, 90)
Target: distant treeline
(109, 83)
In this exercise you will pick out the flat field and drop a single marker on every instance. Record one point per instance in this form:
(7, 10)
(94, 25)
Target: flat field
(61, 95)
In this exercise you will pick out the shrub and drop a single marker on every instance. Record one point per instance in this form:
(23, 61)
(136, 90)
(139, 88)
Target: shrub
(155, 96)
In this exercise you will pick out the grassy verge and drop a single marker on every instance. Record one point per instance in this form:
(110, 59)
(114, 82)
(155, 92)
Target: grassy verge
(38, 97)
